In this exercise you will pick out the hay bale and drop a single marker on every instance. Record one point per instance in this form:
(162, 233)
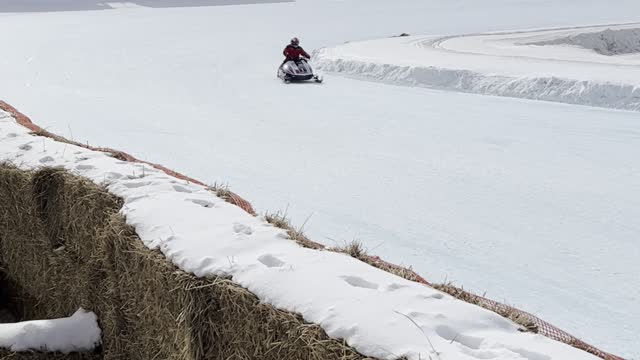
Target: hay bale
(64, 245)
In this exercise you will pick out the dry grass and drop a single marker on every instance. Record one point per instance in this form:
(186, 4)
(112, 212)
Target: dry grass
(63, 245)
(524, 320)
(354, 248)
(280, 220)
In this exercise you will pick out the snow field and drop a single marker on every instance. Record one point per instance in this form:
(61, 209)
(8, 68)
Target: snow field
(454, 184)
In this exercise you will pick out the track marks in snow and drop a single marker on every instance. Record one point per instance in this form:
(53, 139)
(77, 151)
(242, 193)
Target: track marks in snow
(25, 147)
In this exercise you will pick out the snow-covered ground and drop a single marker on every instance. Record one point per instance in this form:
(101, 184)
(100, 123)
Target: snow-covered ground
(79, 332)
(378, 313)
(565, 65)
(534, 202)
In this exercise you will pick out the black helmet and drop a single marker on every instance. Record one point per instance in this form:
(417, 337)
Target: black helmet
(295, 41)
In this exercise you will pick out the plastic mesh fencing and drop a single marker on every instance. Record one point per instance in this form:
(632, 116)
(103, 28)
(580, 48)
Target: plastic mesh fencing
(529, 322)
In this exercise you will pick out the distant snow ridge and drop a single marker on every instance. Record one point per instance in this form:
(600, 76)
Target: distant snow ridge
(581, 92)
(608, 42)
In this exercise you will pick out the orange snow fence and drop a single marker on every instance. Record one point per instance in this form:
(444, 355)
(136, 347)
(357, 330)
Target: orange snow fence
(532, 323)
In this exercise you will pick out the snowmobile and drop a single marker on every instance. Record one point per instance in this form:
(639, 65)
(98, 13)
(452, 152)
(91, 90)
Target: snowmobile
(296, 71)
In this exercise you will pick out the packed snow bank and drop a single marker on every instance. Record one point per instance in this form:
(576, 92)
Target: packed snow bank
(77, 333)
(504, 64)
(379, 314)
(608, 42)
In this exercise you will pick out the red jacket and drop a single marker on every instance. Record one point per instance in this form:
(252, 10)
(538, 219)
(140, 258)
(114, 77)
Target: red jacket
(293, 52)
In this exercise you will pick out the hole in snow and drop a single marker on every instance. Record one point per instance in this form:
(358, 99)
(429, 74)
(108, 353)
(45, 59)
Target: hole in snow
(608, 42)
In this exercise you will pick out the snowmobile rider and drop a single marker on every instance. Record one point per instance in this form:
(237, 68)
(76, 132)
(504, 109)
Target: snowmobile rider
(294, 51)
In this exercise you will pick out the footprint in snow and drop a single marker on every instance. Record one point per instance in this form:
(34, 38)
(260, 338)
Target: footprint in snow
(271, 261)
(85, 167)
(436, 296)
(203, 203)
(394, 287)
(426, 316)
(181, 189)
(207, 262)
(242, 229)
(47, 159)
(452, 335)
(25, 147)
(531, 355)
(359, 282)
(135, 185)
(113, 176)
(136, 198)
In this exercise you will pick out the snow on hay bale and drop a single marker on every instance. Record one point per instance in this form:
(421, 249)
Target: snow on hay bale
(64, 245)
(79, 332)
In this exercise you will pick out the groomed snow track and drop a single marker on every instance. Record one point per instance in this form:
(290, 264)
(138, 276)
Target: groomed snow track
(563, 65)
